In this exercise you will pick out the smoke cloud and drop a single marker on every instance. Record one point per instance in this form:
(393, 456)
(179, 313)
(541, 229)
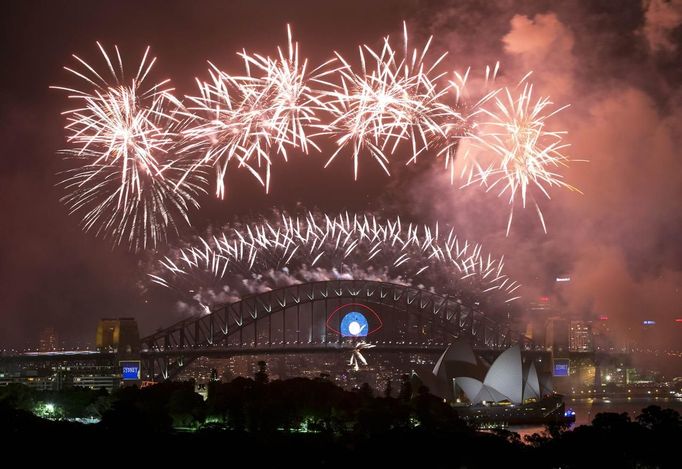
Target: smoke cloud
(661, 18)
(617, 240)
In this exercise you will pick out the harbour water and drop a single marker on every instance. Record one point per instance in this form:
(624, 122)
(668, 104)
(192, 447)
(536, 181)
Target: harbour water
(586, 408)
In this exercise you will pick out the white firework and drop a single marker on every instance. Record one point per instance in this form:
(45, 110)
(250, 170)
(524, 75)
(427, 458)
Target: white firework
(245, 120)
(250, 258)
(356, 357)
(123, 178)
(388, 100)
(523, 153)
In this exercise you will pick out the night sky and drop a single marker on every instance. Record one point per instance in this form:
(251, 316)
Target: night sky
(618, 65)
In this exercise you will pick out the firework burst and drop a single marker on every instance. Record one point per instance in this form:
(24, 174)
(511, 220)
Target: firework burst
(249, 258)
(144, 138)
(453, 131)
(356, 356)
(122, 179)
(138, 215)
(387, 101)
(526, 155)
(247, 119)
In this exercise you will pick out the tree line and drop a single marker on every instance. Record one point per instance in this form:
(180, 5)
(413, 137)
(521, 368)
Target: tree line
(331, 426)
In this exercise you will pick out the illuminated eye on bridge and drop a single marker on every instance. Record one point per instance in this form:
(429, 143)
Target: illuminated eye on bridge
(354, 324)
(354, 320)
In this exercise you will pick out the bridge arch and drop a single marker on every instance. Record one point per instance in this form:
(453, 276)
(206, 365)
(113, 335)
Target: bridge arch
(293, 319)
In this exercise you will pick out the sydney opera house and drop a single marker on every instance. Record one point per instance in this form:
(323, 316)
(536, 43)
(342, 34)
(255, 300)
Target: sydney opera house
(461, 375)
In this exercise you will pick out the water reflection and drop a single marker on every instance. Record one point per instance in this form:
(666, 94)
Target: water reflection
(586, 409)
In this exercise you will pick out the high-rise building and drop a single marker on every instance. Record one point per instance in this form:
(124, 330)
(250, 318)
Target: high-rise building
(49, 340)
(601, 333)
(120, 335)
(542, 307)
(557, 336)
(580, 337)
(539, 310)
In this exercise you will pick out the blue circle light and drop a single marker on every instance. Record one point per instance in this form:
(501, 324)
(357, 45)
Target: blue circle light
(354, 324)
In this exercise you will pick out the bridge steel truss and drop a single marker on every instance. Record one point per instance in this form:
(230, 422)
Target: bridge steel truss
(415, 318)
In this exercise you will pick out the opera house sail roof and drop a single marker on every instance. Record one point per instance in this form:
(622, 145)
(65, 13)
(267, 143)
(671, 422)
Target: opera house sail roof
(460, 371)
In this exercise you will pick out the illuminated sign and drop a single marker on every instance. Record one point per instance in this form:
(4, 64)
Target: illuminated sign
(563, 279)
(560, 367)
(354, 324)
(354, 320)
(603, 318)
(648, 323)
(130, 370)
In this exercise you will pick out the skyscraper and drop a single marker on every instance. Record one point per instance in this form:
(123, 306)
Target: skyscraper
(120, 335)
(539, 310)
(542, 307)
(580, 337)
(49, 340)
(557, 336)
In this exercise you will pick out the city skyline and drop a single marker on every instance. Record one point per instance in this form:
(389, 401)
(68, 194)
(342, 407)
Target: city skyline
(617, 241)
(429, 233)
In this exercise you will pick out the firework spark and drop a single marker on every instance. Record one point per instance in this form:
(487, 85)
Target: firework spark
(356, 357)
(122, 180)
(250, 117)
(526, 154)
(137, 215)
(383, 104)
(453, 131)
(393, 97)
(249, 258)
(396, 97)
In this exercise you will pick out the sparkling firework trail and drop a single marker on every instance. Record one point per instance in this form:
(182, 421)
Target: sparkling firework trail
(396, 97)
(122, 181)
(387, 101)
(356, 357)
(250, 258)
(121, 122)
(526, 154)
(453, 131)
(393, 97)
(138, 216)
(248, 118)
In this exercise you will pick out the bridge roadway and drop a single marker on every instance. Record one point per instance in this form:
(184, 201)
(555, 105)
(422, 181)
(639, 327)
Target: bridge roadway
(217, 351)
(281, 349)
(57, 356)
(222, 351)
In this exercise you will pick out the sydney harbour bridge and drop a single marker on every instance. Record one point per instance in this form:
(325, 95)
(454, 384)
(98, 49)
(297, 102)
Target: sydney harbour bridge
(309, 318)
